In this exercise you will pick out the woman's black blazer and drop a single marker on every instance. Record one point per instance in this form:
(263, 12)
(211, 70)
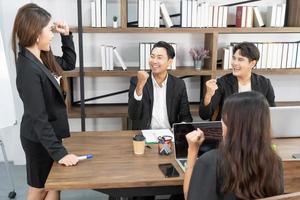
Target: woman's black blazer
(45, 117)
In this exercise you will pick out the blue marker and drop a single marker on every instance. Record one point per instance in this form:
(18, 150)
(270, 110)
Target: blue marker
(88, 156)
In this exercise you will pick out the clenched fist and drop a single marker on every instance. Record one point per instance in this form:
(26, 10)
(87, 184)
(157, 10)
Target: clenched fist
(211, 87)
(195, 139)
(142, 77)
(61, 27)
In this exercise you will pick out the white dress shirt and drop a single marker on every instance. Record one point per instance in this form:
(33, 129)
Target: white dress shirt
(159, 119)
(245, 88)
(57, 78)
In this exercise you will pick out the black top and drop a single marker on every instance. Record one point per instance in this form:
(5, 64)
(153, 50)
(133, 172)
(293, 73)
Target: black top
(140, 112)
(205, 183)
(45, 117)
(228, 85)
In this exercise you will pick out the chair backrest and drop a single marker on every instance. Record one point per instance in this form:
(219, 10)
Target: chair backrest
(290, 196)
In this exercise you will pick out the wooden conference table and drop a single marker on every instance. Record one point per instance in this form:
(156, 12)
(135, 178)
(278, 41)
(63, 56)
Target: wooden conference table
(115, 170)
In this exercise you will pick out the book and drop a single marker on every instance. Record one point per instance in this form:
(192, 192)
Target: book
(238, 16)
(279, 55)
(264, 57)
(103, 13)
(199, 16)
(103, 57)
(215, 16)
(274, 56)
(152, 13)
(93, 13)
(142, 56)
(282, 17)
(220, 16)
(244, 16)
(146, 13)
(284, 55)
(183, 13)
(147, 55)
(98, 13)
(194, 13)
(157, 14)
(225, 16)
(271, 16)
(230, 56)
(226, 58)
(260, 49)
(258, 18)
(278, 15)
(298, 55)
(141, 13)
(294, 56)
(166, 17)
(205, 9)
(189, 13)
(210, 16)
(241, 16)
(107, 59)
(249, 17)
(290, 55)
(111, 58)
(271, 50)
(119, 58)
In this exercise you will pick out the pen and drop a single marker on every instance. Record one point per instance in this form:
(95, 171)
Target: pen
(87, 156)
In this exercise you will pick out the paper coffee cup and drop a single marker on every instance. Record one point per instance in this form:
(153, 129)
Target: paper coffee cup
(139, 144)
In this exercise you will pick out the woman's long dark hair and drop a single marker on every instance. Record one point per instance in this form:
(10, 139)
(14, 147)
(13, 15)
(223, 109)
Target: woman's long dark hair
(250, 168)
(29, 22)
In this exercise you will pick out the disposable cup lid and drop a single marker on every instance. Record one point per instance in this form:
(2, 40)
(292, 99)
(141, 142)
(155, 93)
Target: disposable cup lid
(139, 137)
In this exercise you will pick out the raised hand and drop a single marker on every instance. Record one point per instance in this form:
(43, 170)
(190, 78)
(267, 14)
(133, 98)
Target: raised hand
(142, 77)
(61, 27)
(211, 87)
(195, 139)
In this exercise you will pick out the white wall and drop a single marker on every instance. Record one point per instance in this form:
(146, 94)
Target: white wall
(286, 87)
(10, 135)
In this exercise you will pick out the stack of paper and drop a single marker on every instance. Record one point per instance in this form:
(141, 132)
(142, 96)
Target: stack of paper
(152, 135)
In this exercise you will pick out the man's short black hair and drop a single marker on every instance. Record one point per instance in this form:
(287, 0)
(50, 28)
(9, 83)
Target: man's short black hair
(167, 46)
(248, 50)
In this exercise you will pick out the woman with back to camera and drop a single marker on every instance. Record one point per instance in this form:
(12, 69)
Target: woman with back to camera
(242, 79)
(244, 166)
(45, 121)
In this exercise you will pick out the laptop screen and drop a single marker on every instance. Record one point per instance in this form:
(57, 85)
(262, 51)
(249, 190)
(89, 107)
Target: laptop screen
(285, 121)
(212, 132)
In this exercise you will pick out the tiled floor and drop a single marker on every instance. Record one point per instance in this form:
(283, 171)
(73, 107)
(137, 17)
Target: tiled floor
(19, 177)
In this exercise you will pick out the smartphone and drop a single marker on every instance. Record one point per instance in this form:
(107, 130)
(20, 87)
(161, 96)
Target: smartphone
(168, 170)
(297, 156)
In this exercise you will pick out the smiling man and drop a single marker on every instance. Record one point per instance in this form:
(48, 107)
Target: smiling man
(158, 99)
(242, 79)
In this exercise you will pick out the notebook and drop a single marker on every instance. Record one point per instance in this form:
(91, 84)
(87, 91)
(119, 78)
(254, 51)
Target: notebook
(151, 135)
(213, 136)
(285, 121)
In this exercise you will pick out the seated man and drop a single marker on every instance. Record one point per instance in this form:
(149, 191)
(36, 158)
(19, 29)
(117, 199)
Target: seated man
(161, 100)
(241, 79)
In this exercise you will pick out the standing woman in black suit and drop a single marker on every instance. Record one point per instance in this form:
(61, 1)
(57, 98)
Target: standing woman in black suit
(45, 120)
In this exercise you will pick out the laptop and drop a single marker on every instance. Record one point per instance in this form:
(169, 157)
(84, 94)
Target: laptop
(285, 121)
(212, 132)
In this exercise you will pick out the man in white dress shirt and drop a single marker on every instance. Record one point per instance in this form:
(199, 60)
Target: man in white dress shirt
(158, 99)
